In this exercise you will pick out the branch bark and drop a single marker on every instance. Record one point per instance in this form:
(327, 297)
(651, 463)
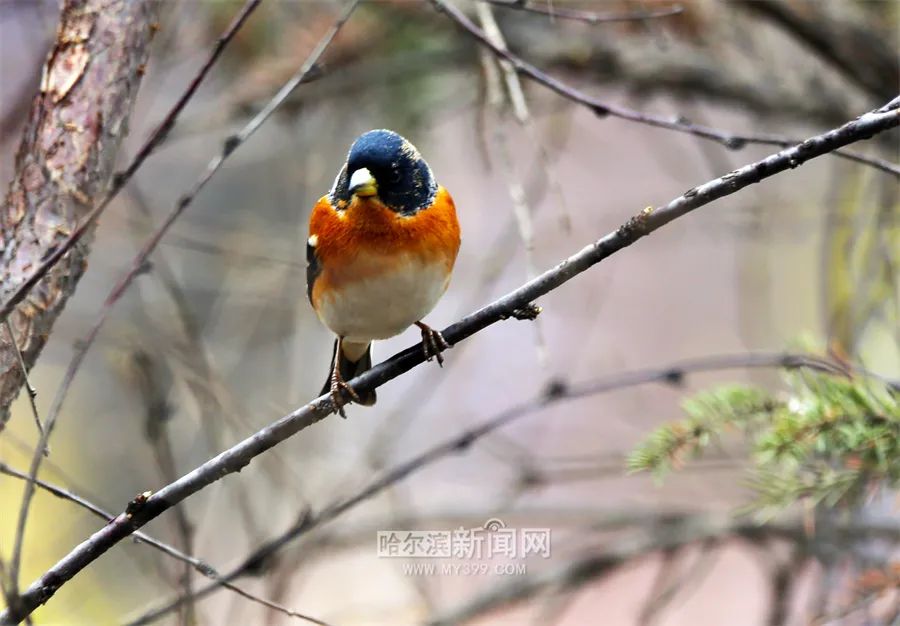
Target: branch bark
(65, 161)
(141, 510)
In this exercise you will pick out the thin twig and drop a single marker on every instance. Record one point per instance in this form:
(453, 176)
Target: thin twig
(32, 392)
(4, 583)
(86, 504)
(201, 566)
(152, 379)
(242, 453)
(197, 370)
(273, 605)
(673, 374)
(121, 179)
(590, 17)
(522, 211)
(693, 574)
(732, 141)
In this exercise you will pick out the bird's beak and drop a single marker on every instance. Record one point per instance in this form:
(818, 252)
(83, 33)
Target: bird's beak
(362, 183)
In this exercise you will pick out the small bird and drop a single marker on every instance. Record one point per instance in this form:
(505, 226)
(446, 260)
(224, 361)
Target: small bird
(381, 248)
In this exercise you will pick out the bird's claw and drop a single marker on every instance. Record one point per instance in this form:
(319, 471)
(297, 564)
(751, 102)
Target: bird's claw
(337, 399)
(433, 343)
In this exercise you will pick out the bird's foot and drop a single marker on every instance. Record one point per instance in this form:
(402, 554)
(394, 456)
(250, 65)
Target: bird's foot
(338, 384)
(433, 343)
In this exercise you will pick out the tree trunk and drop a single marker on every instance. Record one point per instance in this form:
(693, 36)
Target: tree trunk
(65, 162)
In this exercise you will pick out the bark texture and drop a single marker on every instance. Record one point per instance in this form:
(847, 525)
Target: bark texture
(65, 162)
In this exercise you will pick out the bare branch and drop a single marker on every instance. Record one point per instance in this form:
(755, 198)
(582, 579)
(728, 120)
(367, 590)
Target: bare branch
(647, 221)
(201, 566)
(590, 17)
(32, 392)
(86, 504)
(733, 141)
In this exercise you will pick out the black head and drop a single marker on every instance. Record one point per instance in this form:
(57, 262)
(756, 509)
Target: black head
(402, 179)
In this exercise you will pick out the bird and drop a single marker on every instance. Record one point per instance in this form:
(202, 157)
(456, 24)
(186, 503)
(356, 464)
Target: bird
(381, 249)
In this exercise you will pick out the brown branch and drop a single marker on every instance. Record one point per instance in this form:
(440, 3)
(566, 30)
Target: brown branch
(201, 566)
(238, 456)
(32, 392)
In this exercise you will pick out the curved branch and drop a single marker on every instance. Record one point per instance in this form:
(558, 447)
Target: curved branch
(142, 510)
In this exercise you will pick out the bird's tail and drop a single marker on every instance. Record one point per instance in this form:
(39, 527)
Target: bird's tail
(351, 369)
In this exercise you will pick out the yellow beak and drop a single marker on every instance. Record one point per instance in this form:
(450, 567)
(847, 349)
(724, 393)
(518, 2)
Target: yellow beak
(362, 183)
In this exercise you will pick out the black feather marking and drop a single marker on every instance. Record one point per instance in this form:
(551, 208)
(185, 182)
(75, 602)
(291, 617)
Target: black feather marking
(313, 269)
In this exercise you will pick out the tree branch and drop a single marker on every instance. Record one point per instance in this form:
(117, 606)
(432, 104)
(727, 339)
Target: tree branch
(201, 566)
(590, 17)
(234, 459)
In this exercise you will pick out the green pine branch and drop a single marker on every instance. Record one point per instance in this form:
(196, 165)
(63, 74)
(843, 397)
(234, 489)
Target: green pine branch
(827, 439)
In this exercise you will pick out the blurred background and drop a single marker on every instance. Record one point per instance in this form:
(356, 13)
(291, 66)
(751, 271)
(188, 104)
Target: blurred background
(217, 339)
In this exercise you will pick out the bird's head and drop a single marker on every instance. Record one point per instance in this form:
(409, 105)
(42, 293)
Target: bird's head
(383, 164)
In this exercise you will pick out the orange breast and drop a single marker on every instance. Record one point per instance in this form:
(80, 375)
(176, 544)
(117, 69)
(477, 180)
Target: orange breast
(367, 228)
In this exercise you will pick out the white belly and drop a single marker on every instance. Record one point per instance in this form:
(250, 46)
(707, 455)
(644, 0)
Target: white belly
(384, 305)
